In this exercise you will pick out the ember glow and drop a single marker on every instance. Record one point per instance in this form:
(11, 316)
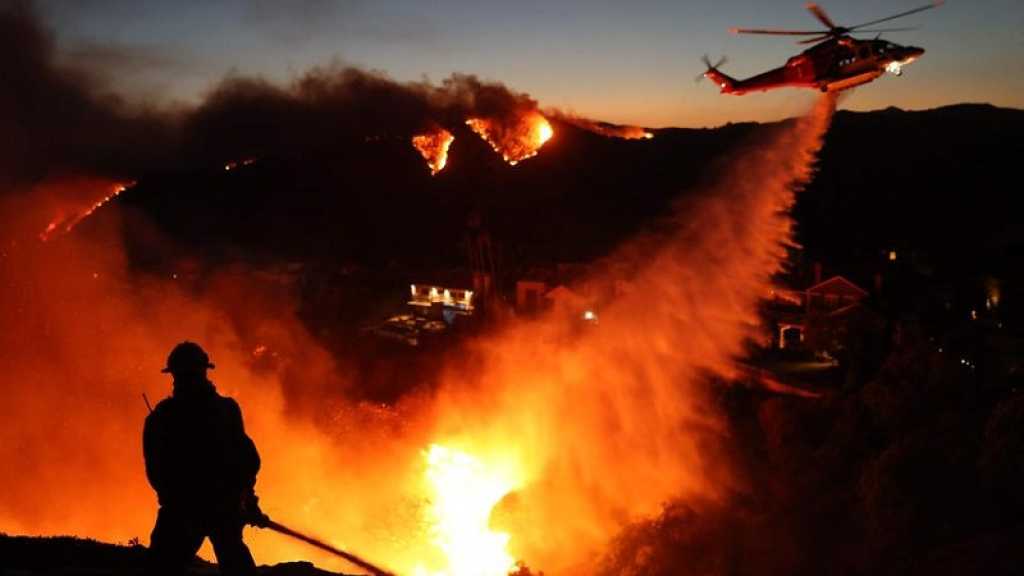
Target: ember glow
(235, 165)
(433, 146)
(64, 224)
(515, 139)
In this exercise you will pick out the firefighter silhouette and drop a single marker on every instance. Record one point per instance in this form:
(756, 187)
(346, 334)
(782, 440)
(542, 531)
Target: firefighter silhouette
(203, 467)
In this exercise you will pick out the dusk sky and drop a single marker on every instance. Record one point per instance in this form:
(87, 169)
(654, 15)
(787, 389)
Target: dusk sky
(627, 62)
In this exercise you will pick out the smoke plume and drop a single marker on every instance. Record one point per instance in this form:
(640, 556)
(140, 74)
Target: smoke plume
(63, 123)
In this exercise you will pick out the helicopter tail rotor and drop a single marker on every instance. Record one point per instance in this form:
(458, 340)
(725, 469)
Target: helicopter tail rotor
(710, 67)
(724, 81)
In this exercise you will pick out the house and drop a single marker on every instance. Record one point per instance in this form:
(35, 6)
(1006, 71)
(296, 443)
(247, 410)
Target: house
(832, 295)
(794, 311)
(566, 300)
(458, 301)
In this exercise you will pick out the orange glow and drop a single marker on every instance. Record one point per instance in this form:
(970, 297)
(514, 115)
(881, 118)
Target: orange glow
(516, 139)
(538, 442)
(433, 147)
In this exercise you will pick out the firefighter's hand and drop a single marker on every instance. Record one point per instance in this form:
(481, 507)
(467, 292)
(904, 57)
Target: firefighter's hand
(251, 513)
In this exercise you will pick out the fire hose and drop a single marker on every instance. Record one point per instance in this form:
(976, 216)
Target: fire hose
(351, 558)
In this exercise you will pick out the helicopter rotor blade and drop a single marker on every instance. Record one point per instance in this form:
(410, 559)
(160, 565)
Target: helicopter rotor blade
(933, 4)
(815, 40)
(820, 14)
(837, 31)
(874, 30)
(778, 32)
(707, 62)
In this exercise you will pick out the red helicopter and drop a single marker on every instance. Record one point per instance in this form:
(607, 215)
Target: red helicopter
(836, 62)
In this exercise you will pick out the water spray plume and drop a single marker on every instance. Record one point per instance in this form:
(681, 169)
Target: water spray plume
(622, 410)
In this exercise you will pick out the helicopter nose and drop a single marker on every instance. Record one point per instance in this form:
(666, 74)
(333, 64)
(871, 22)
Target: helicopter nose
(914, 52)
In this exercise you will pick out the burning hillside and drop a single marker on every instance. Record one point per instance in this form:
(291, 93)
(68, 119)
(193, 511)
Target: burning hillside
(516, 138)
(433, 146)
(66, 222)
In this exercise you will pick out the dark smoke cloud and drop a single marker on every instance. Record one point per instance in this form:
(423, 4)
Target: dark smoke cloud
(109, 61)
(329, 106)
(58, 120)
(61, 119)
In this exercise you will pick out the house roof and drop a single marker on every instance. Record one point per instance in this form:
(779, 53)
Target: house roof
(562, 295)
(837, 285)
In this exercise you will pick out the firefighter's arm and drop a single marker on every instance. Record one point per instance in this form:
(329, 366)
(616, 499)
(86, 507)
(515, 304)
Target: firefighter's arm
(248, 467)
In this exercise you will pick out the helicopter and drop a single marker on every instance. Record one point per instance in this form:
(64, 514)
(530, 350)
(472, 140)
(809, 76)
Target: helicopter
(837, 61)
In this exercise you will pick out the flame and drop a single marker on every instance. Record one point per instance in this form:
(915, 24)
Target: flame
(515, 140)
(433, 147)
(64, 224)
(463, 491)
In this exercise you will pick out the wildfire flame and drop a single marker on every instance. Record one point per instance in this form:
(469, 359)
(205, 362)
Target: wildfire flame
(515, 140)
(463, 491)
(65, 224)
(434, 148)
